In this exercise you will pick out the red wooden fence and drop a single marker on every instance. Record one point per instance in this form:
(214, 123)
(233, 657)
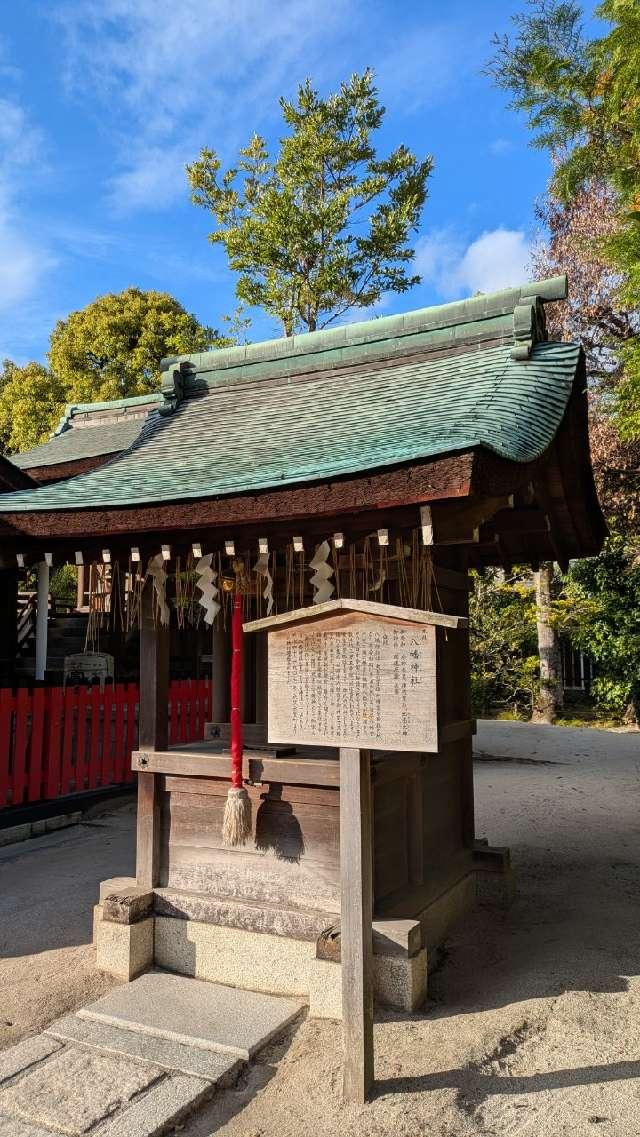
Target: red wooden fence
(56, 741)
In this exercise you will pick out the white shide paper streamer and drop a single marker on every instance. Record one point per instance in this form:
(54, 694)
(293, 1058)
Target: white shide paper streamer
(322, 573)
(158, 573)
(261, 567)
(206, 583)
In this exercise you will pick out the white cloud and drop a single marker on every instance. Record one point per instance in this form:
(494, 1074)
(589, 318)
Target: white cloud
(24, 261)
(500, 146)
(176, 76)
(498, 258)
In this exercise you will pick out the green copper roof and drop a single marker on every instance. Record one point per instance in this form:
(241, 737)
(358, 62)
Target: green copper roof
(117, 424)
(279, 430)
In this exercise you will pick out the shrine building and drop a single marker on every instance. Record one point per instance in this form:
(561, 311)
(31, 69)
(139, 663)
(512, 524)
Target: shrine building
(373, 464)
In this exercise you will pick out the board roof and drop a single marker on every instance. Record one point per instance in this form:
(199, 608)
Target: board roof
(368, 607)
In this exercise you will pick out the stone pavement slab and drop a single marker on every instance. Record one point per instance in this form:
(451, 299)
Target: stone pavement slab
(205, 1015)
(167, 1103)
(75, 1089)
(212, 1066)
(25, 1054)
(11, 1127)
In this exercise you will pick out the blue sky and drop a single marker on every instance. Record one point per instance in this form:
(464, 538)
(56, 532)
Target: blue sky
(102, 102)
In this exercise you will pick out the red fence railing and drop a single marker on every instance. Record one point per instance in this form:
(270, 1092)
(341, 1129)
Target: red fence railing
(56, 741)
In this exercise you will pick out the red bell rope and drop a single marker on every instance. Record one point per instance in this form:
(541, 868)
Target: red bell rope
(237, 743)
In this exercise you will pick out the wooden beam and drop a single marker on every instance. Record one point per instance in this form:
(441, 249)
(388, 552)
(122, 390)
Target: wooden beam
(446, 477)
(153, 722)
(458, 523)
(257, 766)
(356, 935)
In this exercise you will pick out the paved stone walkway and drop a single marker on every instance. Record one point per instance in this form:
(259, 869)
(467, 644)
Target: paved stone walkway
(136, 1061)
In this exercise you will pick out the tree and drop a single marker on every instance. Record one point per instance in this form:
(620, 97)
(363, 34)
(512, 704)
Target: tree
(550, 695)
(113, 347)
(582, 98)
(577, 235)
(31, 401)
(324, 226)
(504, 664)
(601, 611)
(108, 350)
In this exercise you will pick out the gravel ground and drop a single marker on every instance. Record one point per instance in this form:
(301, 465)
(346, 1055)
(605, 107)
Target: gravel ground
(534, 1023)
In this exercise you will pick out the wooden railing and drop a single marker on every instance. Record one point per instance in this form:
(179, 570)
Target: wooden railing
(55, 741)
(26, 619)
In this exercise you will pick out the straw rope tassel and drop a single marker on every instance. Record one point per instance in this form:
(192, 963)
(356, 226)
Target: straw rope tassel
(236, 823)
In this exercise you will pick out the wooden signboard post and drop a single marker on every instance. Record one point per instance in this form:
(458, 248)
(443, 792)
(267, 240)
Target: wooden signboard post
(360, 676)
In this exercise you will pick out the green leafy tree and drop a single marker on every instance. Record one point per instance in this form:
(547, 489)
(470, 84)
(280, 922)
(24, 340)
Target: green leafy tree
(324, 226)
(108, 350)
(601, 612)
(113, 347)
(582, 99)
(31, 400)
(505, 669)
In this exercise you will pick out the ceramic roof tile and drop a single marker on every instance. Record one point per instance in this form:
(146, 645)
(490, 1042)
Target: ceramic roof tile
(275, 432)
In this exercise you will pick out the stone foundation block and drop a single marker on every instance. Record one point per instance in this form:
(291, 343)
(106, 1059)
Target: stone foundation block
(123, 950)
(254, 960)
(398, 983)
(127, 905)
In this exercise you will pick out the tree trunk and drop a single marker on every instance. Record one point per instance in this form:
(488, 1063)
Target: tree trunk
(550, 698)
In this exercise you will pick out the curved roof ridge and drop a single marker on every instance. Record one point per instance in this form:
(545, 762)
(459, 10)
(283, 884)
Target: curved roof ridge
(367, 332)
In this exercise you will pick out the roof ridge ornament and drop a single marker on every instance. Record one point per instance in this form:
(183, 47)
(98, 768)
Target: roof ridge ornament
(173, 386)
(529, 326)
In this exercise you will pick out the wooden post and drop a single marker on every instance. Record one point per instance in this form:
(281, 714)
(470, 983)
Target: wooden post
(220, 711)
(356, 937)
(42, 618)
(153, 723)
(261, 676)
(9, 625)
(80, 587)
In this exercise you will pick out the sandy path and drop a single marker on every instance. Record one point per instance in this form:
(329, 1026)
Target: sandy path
(48, 887)
(534, 1027)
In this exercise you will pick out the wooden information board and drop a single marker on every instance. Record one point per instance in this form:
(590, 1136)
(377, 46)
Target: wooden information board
(354, 680)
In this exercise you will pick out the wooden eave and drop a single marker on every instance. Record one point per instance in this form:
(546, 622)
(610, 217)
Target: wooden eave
(13, 478)
(504, 511)
(59, 471)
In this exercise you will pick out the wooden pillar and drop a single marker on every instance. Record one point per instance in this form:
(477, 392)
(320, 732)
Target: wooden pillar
(356, 936)
(8, 624)
(153, 723)
(220, 711)
(249, 680)
(261, 676)
(42, 618)
(80, 586)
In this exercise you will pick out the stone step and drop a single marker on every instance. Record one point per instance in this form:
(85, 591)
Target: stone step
(212, 1065)
(192, 1012)
(138, 1061)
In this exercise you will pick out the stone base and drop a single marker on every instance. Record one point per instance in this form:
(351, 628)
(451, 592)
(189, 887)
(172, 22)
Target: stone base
(123, 950)
(258, 961)
(306, 968)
